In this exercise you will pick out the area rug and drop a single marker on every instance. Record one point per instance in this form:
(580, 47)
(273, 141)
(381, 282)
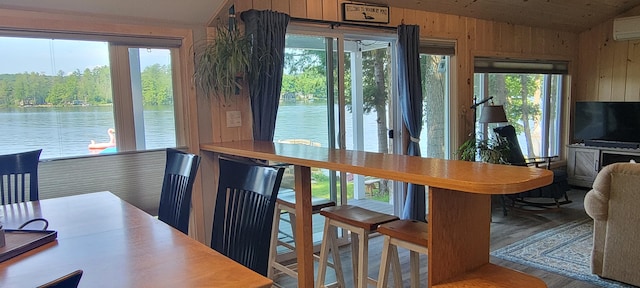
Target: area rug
(564, 250)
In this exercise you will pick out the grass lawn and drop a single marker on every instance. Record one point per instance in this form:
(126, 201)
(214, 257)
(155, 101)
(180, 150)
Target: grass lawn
(320, 189)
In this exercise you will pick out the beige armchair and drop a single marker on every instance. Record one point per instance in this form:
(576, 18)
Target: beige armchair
(614, 204)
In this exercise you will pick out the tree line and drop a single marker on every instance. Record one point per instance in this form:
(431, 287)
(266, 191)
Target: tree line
(88, 87)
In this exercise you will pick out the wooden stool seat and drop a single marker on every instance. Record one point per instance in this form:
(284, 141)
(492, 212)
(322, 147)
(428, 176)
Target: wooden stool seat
(408, 234)
(356, 216)
(406, 230)
(289, 200)
(360, 222)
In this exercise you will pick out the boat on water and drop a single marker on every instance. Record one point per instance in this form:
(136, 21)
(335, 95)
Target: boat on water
(98, 147)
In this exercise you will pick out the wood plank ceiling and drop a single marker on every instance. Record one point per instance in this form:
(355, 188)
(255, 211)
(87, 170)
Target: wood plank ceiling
(566, 15)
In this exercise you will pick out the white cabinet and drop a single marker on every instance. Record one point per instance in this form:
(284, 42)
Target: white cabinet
(584, 162)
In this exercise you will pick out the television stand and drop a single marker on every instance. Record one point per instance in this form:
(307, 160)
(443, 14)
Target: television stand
(584, 161)
(612, 144)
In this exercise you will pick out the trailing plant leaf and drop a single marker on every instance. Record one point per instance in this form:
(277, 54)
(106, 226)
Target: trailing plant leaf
(494, 151)
(222, 62)
(467, 151)
(491, 150)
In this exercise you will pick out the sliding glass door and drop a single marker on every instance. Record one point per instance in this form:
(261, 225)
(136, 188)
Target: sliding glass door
(370, 112)
(337, 92)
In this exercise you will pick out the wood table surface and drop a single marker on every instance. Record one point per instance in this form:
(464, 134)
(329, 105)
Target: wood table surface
(459, 204)
(475, 177)
(116, 245)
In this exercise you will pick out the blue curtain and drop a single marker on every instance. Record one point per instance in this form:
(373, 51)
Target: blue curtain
(266, 30)
(410, 93)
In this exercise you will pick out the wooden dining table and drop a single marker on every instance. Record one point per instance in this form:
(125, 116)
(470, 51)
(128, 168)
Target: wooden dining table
(116, 245)
(459, 205)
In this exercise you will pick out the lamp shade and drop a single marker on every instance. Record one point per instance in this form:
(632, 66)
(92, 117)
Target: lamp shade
(493, 114)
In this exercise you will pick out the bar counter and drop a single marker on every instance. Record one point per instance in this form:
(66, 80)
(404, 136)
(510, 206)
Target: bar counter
(459, 204)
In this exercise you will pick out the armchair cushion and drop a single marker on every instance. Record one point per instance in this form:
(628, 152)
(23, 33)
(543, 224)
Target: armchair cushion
(596, 202)
(613, 204)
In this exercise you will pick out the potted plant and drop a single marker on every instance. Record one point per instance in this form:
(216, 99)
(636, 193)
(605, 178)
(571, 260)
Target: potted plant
(222, 63)
(492, 150)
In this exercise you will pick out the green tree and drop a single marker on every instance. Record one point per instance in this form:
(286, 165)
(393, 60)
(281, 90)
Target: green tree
(520, 94)
(86, 86)
(304, 74)
(156, 85)
(433, 91)
(71, 87)
(58, 91)
(103, 92)
(5, 96)
(90, 86)
(297, 61)
(375, 90)
(20, 89)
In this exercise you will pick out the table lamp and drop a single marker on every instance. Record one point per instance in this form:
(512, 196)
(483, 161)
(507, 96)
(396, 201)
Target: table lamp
(493, 114)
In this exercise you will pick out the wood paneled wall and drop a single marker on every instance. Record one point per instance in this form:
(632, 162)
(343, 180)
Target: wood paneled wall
(474, 37)
(608, 70)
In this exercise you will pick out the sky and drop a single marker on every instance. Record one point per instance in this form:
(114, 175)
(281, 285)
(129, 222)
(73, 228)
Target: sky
(19, 55)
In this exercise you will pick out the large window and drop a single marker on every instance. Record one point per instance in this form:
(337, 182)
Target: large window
(58, 95)
(531, 93)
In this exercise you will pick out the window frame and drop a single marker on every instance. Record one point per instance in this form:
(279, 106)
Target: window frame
(176, 40)
(546, 68)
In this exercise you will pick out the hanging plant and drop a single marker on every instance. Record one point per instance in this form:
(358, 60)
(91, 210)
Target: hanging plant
(222, 63)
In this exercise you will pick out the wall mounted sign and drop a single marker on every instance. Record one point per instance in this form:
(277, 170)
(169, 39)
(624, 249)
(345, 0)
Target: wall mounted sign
(365, 13)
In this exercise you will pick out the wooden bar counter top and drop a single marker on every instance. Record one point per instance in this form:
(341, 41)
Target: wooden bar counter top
(459, 204)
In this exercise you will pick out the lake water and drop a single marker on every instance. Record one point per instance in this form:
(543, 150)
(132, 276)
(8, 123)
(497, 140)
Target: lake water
(67, 131)
(310, 122)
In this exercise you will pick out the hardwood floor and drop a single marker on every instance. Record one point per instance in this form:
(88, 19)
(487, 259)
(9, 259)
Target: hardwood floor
(505, 230)
(519, 224)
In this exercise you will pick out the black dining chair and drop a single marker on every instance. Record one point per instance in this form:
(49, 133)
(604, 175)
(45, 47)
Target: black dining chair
(175, 198)
(243, 215)
(70, 280)
(19, 177)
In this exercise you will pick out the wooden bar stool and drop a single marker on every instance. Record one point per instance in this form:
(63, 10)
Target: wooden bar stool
(360, 222)
(286, 202)
(409, 234)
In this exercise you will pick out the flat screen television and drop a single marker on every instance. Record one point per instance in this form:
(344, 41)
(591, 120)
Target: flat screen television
(607, 121)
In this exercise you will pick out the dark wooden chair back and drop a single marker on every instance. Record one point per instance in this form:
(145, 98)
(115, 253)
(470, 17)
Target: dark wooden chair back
(515, 153)
(16, 170)
(556, 190)
(243, 215)
(175, 198)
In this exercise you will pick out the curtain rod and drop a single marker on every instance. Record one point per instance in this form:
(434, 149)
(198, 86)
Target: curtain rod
(334, 24)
